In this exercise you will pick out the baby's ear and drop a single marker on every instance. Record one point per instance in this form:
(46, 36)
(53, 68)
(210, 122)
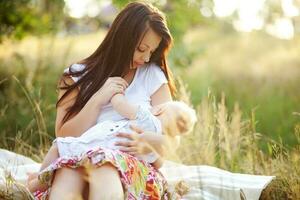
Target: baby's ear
(157, 110)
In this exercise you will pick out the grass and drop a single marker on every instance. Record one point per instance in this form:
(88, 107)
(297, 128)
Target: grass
(230, 141)
(13, 190)
(248, 119)
(255, 70)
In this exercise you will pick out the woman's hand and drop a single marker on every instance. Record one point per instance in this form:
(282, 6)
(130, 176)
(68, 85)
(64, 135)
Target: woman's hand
(140, 143)
(112, 86)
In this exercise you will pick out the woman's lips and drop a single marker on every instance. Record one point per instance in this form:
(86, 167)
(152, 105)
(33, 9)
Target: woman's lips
(138, 64)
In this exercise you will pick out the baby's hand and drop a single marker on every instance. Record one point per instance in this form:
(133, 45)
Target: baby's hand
(31, 176)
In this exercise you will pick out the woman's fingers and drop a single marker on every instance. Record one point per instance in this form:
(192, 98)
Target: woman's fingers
(130, 143)
(123, 86)
(130, 150)
(136, 129)
(112, 86)
(129, 136)
(117, 89)
(116, 81)
(119, 81)
(118, 86)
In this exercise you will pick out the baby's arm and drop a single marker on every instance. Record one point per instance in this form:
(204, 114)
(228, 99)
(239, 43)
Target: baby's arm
(123, 107)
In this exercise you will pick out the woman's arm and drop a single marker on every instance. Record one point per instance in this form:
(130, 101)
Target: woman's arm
(159, 142)
(162, 95)
(86, 118)
(123, 107)
(80, 122)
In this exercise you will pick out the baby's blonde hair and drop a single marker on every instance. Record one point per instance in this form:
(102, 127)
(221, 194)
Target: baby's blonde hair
(182, 119)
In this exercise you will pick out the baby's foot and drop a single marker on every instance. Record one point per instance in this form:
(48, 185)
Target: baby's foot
(33, 184)
(32, 175)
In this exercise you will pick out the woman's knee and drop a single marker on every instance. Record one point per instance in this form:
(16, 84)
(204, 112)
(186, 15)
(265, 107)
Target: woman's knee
(67, 184)
(105, 183)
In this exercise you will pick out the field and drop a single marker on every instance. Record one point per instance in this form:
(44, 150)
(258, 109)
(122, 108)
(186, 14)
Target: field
(245, 88)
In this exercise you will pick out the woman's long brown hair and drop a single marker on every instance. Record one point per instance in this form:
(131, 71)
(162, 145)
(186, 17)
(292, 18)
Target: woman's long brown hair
(114, 56)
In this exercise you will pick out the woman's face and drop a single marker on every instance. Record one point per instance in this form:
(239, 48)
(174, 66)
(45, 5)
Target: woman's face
(145, 49)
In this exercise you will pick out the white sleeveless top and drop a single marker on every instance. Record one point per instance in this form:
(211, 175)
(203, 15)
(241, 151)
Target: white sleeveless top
(147, 80)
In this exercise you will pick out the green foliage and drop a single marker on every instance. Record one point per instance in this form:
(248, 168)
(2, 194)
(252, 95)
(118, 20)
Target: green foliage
(243, 67)
(19, 18)
(226, 135)
(24, 100)
(181, 14)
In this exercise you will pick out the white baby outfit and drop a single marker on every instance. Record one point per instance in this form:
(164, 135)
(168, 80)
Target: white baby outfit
(146, 81)
(103, 135)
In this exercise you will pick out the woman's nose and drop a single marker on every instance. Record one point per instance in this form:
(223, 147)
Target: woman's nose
(146, 57)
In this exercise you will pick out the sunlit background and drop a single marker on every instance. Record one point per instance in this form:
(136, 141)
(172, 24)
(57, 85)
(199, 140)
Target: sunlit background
(247, 50)
(236, 61)
(251, 14)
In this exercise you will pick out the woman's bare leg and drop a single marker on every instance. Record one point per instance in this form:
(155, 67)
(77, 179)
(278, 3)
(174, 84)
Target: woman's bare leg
(68, 184)
(105, 183)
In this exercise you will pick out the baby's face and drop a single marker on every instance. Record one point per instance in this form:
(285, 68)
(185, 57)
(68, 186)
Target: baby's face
(176, 118)
(166, 114)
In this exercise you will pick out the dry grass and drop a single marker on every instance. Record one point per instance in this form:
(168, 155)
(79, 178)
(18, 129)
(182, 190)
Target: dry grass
(14, 190)
(221, 139)
(230, 141)
(224, 138)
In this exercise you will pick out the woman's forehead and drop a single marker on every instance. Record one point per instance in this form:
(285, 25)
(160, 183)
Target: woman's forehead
(151, 39)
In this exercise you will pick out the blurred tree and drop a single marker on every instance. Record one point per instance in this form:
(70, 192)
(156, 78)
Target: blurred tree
(181, 15)
(270, 12)
(21, 17)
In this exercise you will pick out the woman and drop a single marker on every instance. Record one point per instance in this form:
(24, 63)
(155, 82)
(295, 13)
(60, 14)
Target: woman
(131, 60)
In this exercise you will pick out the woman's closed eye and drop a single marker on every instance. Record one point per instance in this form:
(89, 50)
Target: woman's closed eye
(143, 50)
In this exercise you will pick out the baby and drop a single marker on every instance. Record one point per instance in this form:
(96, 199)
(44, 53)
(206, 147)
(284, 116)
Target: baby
(171, 118)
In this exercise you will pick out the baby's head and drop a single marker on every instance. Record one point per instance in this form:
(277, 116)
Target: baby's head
(176, 117)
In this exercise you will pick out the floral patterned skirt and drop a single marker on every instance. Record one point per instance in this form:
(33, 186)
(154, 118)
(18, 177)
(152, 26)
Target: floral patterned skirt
(140, 180)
